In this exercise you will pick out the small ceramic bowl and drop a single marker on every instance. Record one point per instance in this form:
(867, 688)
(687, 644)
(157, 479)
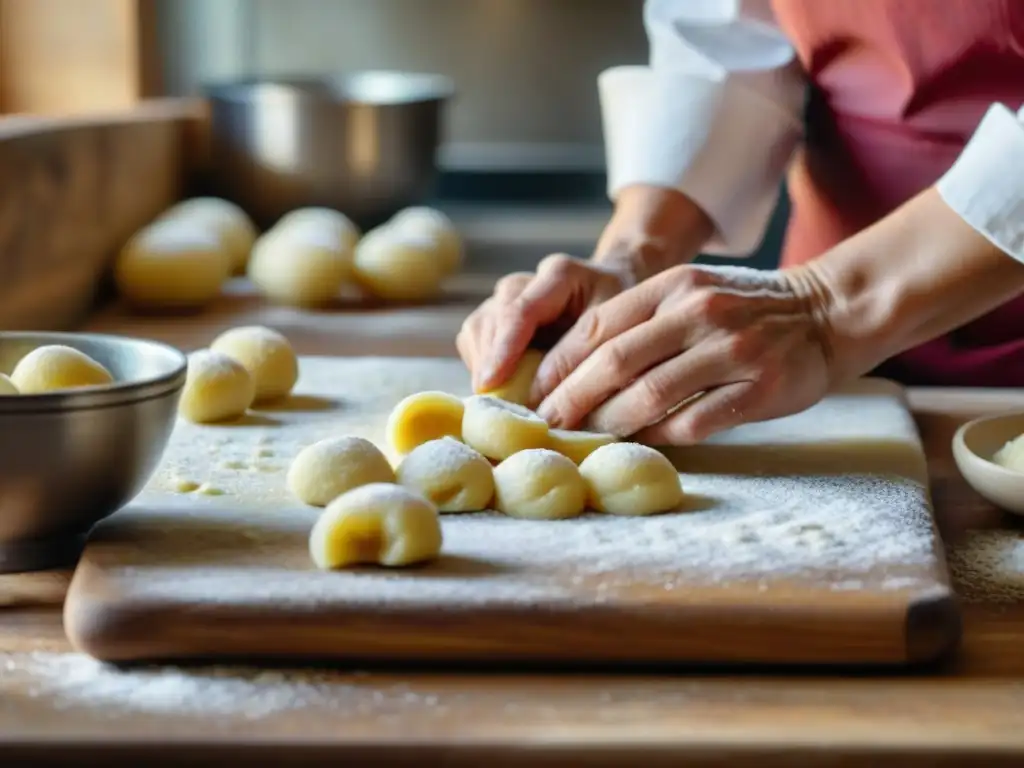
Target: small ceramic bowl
(974, 445)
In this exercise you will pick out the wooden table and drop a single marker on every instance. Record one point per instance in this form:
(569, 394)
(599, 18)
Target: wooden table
(973, 709)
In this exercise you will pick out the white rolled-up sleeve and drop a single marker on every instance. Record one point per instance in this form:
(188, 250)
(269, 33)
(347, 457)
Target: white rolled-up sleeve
(716, 113)
(986, 183)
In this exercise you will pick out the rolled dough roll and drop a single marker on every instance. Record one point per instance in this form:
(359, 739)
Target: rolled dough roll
(328, 468)
(422, 417)
(304, 264)
(517, 388)
(420, 220)
(498, 429)
(450, 474)
(217, 388)
(266, 354)
(233, 226)
(57, 367)
(539, 484)
(577, 445)
(398, 266)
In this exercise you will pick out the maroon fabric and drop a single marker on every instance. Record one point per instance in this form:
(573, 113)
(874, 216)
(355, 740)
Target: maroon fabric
(898, 87)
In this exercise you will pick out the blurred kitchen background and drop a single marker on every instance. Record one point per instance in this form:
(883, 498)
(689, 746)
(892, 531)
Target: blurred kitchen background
(522, 166)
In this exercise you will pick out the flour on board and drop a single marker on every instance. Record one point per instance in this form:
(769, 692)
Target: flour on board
(836, 494)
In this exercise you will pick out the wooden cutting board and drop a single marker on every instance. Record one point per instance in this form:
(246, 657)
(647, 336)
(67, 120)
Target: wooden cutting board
(804, 540)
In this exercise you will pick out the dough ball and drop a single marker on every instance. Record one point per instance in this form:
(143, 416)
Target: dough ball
(420, 220)
(398, 266)
(325, 470)
(498, 429)
(217, 388)
(539, 484)
(55, 367)
(422, 417)
(172, 264)
(267, 356)
(453, 476)
(7, 386)
(323, 218)
(578, 445)
(233, 226)
(631, 479)
(517, 388)
(304, 264)
(377, 524)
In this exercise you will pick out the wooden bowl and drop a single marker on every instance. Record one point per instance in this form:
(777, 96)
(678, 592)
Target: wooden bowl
(974, 445)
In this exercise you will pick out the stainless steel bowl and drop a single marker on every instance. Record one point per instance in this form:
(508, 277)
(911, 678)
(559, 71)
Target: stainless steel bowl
(69, 459)
(364, 144)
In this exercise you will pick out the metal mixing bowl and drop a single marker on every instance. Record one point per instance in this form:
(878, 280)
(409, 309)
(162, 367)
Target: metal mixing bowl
(69, 459)
(364, 144)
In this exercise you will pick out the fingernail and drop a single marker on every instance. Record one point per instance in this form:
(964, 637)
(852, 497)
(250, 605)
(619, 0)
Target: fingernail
(549, 413)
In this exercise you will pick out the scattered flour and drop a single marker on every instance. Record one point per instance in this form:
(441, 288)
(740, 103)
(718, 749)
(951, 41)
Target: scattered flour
(765, 505)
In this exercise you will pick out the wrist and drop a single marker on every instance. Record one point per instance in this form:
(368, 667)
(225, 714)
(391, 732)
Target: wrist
(916, 274)
(652, 229)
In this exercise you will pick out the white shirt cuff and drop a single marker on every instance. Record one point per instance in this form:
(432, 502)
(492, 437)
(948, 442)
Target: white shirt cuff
(719, 142)
(985, 186)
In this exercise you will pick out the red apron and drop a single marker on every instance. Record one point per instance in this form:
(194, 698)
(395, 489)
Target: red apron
(898, 87)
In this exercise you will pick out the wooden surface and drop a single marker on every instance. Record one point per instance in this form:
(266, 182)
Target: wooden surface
(73, 57)
(764, 565)
(71, 193)
(971, 711)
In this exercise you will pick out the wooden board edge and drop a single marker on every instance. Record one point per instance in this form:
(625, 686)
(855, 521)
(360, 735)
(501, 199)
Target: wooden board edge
(933, 626)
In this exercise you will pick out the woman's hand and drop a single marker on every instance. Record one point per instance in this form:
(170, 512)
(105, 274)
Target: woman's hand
(653, 228)
(495, 336)
(687, 353)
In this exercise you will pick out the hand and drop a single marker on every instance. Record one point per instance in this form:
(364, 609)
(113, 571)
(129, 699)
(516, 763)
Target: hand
(687, 353)
(495, 336)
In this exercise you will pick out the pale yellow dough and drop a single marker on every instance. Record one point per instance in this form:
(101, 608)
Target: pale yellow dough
(398, 266)
(578, 445)
(498, 429)
(7, 386)
(539, 484)
(377, 524)
(232, 225)
(1011, 455)
(172, 264)
(57, 367)
(631, 479)
(217, 388)
(266, 354)
(422, 417)
(453, 476)
(326, 469)
(517, 388)
(420, 220)
(304, 263)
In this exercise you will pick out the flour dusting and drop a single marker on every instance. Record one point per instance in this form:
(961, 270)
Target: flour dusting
(836, 496)
(988, 566)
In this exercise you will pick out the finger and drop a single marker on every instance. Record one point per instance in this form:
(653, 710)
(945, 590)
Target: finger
(541, 301)
(656, 394)
(716, 410)
(472, 341)
(611, 368)
(595, 327)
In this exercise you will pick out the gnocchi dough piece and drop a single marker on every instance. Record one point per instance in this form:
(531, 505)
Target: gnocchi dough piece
(517, 388)
(398, 266)
(450, 474)
(422, 417)
(539, 484)
(326, 218)
(172, 264)
(217, 388)
(498, 429)
(376, 524)
(266, 354)
(434, 223)
(631, 479)
(232, 225)
(326, 469)
(577, 445)
(7, 386)
(304, 264)
(55, 367)
(1011, 455)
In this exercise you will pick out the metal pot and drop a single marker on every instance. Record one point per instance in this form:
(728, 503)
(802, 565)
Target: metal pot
(364, 144)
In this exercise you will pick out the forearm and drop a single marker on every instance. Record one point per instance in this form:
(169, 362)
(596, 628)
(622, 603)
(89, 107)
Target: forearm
(653, 229)
(917, 274)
